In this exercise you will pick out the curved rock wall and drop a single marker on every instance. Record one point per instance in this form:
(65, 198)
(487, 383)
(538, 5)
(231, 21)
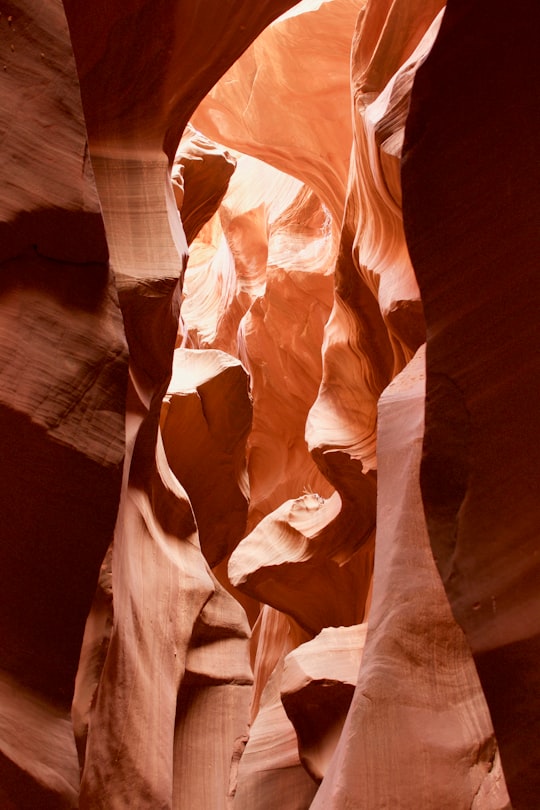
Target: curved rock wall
(92, 254)
(470, 208)
(220, 589)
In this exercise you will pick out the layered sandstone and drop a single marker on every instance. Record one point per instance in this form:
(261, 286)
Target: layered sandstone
(205, 422)
(65, 373)
(220, 589)
(63, 361)
(377, 305)
(173, 644)
(286, 100)
(259, 286)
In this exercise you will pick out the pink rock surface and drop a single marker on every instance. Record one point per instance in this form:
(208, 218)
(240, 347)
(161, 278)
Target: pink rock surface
(248, 293)
(200, 176)
(317, 687)
(38, 762)
(376, 322)
(292, 561)
(63, 371)
(418, 699)
(161, 584)
(152, 464)
(270, 765)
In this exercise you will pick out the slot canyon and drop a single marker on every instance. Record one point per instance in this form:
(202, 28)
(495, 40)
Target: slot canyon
(269, 423)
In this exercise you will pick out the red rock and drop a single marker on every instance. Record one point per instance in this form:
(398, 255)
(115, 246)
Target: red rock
(304, 281)
(205, 421)
(288, 561)
(64, 370)
(38, 762)
(418, 699)
(176, 635)
(470, 202)
(317, 687)
(268, 307)
(63, 373)
(270, 765)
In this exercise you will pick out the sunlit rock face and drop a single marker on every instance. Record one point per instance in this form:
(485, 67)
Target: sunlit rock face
(259, 285)
(286, 100)
(237, 535)
(417, 699)
(178, 639)
(311, 556)
(317, 687)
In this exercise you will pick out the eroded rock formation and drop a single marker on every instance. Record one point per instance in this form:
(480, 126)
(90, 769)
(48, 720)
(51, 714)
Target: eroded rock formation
(69, 319)
(480, 483)
(220, 589)
(63, 360)
(417, 699)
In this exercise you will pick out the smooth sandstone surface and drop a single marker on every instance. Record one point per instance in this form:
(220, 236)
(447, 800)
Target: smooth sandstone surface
(470, 205)
(219, 586)
(205, 421)
(65, 342)
(418, 709)
(259, 286)
(376, 323)
(270, 765)
(161, 583)
(200, 177)
(63, 376)
(317, 686)
(309, 90)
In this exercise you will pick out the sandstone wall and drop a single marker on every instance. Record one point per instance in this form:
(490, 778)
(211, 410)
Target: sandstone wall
(261, 546)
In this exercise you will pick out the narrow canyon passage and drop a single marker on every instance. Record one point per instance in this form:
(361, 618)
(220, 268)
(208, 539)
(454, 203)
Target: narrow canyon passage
(268, 375)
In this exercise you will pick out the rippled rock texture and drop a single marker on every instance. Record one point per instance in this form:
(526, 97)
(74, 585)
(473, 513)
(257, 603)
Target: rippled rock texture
(261, 546)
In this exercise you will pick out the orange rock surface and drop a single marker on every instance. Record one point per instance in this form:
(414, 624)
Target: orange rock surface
(260, 546)
(417, 698)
